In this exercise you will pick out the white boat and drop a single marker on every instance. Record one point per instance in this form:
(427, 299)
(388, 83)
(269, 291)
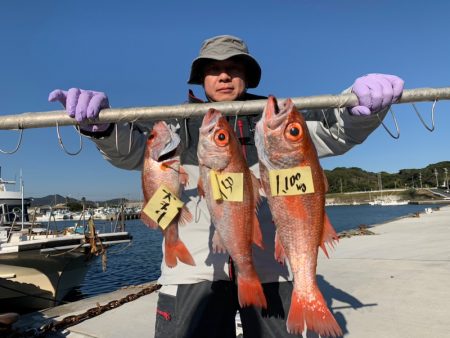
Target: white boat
(108, 214)
(38, 266)
(391, 202)
(388, 202)
(54, 215)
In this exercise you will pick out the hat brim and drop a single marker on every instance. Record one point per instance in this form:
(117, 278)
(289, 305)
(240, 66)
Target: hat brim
(252, 69)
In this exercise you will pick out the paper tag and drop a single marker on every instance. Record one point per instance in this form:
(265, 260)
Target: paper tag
(163, 206)
(292, 181)
(227, 186)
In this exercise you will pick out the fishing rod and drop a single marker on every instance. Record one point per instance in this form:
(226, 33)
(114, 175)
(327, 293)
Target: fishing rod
(113, 115)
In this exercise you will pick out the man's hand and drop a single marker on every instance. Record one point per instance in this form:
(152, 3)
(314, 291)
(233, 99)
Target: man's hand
(83, 105)
(376, 92)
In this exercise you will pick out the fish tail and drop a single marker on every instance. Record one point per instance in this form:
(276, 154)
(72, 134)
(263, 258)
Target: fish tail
(314, 313)
(250, 292)
(177, 250)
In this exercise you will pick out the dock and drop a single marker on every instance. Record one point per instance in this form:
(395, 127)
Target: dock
(394, 283)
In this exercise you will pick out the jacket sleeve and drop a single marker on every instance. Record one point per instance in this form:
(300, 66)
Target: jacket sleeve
(125, 146)
(335, 131)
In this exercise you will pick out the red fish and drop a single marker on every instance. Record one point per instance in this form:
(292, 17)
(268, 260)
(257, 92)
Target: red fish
(235, 221)
(283, 141)
(162, 167)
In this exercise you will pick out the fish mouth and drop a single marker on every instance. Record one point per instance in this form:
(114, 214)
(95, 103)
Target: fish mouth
(167, 155)
(272, 108)
(274, 113)
(210, 120)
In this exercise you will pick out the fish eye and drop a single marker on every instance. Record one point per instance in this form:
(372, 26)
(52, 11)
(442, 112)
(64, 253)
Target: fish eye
(221, 137)
(293, 131)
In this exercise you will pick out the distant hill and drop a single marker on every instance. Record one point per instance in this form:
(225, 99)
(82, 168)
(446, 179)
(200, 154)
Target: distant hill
(339, 180)
(355, 179)
(58, 199)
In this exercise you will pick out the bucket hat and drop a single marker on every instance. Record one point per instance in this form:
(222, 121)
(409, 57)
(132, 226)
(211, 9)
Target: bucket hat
(220, 48)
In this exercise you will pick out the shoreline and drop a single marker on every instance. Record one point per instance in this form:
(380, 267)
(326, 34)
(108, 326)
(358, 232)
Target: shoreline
(330, 203)
(364, 229)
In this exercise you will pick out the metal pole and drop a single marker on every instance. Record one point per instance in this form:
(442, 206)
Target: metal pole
(436, 174)
(21, 198)
(60, 118)
(446, 178)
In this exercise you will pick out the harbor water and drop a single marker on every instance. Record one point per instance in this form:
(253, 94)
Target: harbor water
(140, 262)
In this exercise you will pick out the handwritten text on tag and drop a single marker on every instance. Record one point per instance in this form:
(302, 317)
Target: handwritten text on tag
(163, 207)
(292, 181)
(227, 186)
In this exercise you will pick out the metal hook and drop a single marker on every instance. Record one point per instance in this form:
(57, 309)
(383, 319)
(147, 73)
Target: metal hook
(236, 116)
(17, 147)
(129, 142)
(77, 128)
(197, 210)
(395, 122)
(336, 138)
(432, 116)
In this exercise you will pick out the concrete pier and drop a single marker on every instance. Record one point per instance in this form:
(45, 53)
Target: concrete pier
(394, 283)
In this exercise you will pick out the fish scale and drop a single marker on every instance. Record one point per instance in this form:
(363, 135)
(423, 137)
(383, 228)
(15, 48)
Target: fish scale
(283, 142)
(168, 172)
(235, 222)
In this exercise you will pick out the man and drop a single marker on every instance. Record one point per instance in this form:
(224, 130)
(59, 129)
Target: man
(201, 300)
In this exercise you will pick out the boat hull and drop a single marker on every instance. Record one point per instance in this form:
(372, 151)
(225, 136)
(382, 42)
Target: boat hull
(32, 280)
(39, 272)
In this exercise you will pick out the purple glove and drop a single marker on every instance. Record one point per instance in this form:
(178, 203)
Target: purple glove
(84, 105)
(376, 92)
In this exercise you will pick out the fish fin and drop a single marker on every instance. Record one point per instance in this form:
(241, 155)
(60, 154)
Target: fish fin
(250, 292)
(261, 192)
(329, 235)
(314, 313)
(280, 255)
(185, 216)
(148, 221)
(264, 181)
(217, 243)
(257, 235)
(184, 177)
(176, 251)
(200, 189)
(256, 187)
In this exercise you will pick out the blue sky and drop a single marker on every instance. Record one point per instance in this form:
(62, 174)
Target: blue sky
(139, 53)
